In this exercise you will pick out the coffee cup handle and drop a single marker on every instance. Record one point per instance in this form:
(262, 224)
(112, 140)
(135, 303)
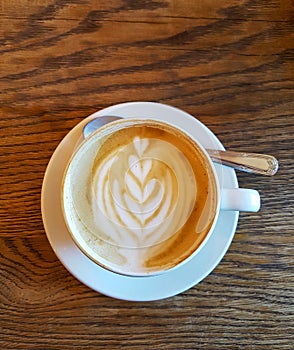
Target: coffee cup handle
(240, 199)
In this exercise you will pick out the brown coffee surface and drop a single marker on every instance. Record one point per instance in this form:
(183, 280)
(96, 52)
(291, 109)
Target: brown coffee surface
(143, 197)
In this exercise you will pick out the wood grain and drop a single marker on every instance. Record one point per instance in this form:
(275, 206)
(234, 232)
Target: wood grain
(228, 63)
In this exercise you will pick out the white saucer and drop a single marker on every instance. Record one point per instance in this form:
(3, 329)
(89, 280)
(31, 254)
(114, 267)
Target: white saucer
(109, 283)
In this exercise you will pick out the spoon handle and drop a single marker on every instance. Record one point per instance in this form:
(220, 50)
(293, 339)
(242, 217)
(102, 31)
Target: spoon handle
(249, 162)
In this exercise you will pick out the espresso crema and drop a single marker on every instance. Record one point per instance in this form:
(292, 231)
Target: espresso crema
(139, 197)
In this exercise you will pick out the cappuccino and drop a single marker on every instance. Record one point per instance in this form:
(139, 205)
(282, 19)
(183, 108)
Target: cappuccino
(139, 197)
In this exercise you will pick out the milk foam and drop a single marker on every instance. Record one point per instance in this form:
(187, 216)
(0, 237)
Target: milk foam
(128, 204)
(135, 192)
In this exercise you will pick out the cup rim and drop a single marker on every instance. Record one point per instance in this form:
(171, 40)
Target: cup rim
(132, 120)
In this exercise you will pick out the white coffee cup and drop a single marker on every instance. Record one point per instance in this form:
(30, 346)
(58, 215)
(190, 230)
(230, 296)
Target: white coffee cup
(141, 197)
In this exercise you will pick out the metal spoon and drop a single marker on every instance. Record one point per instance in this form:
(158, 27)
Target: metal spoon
(249, 162)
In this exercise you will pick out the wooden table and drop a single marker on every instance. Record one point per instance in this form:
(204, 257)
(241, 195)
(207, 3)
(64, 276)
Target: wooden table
(230, 63)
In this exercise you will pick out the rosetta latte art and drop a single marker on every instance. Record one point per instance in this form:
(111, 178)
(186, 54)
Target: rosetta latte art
(142, 193)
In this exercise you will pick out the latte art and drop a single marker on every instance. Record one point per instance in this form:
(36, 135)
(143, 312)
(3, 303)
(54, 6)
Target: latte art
(139, 197)
(135, 191)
